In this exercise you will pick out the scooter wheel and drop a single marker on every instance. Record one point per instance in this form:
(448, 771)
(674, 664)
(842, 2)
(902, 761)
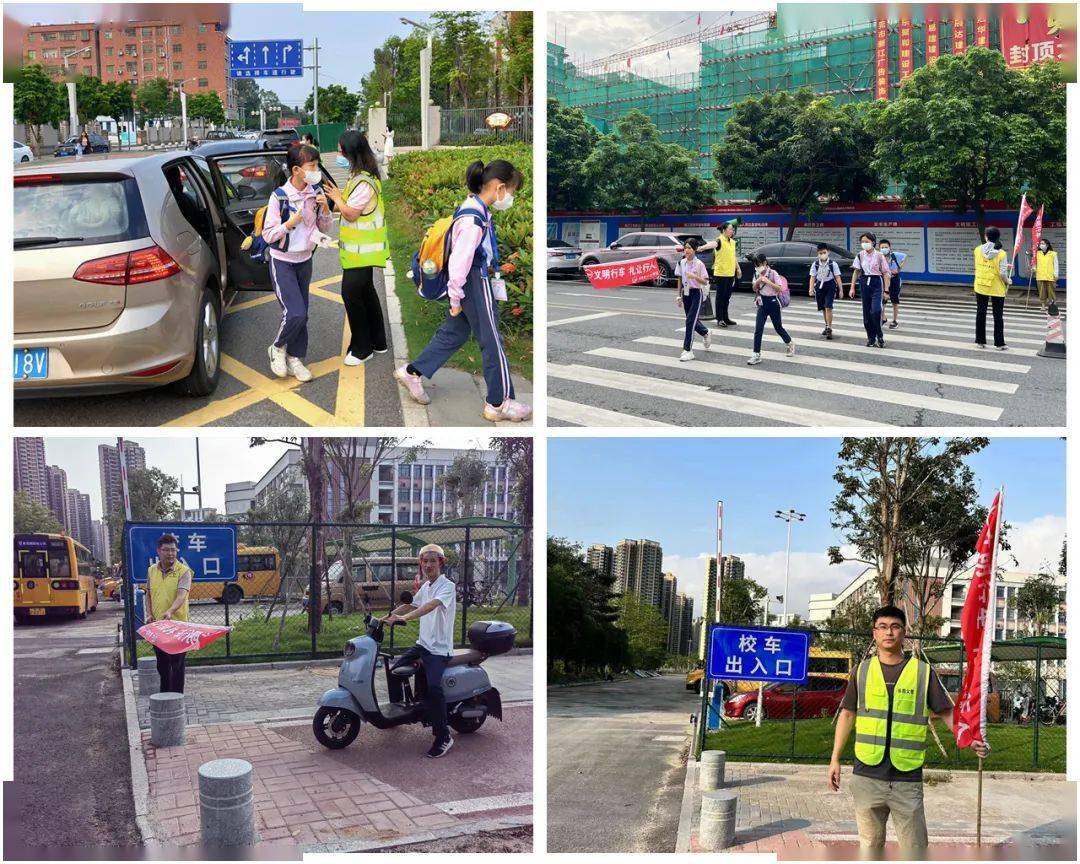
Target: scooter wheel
(466, 725)
(335, 728)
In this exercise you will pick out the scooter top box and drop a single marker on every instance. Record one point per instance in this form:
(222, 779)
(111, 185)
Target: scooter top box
(492, 637)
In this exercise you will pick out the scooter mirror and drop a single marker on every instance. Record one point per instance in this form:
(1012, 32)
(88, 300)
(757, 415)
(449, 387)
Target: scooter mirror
(406, 596)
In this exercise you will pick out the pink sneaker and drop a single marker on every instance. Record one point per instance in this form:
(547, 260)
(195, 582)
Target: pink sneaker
(412, 384)
(511, 410)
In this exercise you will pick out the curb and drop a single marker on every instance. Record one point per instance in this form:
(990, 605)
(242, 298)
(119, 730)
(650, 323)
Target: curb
(686, 812)
(412, 414)
(140, 782)
(499, 824)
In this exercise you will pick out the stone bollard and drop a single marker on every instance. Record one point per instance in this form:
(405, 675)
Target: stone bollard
(711, 770)
(149, 680)
(227, 803)
(167, 720)
(717, 827)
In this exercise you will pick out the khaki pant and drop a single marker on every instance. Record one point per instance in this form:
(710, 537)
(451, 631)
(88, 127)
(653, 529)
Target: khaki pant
(1046, 292)
(877, 800)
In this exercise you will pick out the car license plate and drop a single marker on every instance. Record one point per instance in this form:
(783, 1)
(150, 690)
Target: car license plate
(37, 611)
(570, 256)
(31, 363)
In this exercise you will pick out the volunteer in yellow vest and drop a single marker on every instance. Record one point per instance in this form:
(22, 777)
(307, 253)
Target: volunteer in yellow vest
(890, 700)
(362, 246)
(726, 271)
(1046, 272)
(168, 583)
(993, 273)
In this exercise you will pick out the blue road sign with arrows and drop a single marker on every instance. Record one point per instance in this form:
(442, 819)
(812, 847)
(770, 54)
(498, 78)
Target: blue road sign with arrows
(766, 654)
(262, 58)
(209, 549)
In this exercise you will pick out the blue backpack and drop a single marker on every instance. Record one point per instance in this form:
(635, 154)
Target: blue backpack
(431, 263)
(254, 243)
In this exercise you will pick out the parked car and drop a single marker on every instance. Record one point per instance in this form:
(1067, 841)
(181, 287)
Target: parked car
(98, 144)
(819, 697)
(111, 588)
(220, 135)
(124, 268)
(23, 153)
(562, 258)
(279, 138)
(792, 260)
(667, 247)
(694, 678)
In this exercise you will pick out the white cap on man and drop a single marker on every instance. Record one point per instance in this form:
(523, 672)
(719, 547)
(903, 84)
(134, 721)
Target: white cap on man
(433, 547)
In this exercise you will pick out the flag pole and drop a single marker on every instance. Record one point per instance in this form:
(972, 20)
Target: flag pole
(989, 629)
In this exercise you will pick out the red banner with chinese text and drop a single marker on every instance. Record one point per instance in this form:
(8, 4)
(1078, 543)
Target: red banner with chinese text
(881, 59)
(178, 637)
(1036, 236)
(982, 31)
(907, 50)
(933, 43)
(977, 631)
(959, 32)
(619, 274)
(1031, 34)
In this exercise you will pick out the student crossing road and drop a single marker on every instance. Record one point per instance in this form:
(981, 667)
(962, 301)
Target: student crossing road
(616, 363)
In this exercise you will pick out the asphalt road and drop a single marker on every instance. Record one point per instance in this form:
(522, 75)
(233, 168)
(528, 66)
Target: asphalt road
(72, 783)
(613, 359)
(616, 764)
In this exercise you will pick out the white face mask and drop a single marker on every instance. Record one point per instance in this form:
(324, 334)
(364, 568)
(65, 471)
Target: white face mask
(884, 250)
(867, 245)
(823, 258)
(313, 178)
(1042, 246)
(503, 203)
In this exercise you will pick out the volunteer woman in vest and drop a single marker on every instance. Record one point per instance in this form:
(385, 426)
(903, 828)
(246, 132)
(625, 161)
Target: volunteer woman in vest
(890, 700)
(825, 285)
(767, 287)
(726, 271)
(691, 283)
(361, 246)
(1046, 273)
(992, 276)
(474, 289)
(168, 583)
(895, 260)
(871, 270)
(292, 241)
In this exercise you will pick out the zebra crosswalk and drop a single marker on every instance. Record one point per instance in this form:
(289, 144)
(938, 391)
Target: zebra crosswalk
(622, 368)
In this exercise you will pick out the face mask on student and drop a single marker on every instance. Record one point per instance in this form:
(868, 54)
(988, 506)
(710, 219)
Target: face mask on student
(342, 162)
(313, 178)
(885, 250)
(1042, 247)
(867, 245)
(823, 257)
(504, 203)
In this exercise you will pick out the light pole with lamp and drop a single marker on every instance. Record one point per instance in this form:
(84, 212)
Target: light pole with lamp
(73, 108)
(761, 687)
(788, 516)
(425, 83)
(183, 106)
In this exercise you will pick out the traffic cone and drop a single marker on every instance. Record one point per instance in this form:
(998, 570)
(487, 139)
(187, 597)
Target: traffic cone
(1055, 334)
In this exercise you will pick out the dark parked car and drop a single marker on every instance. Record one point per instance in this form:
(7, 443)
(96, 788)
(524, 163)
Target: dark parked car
(98, 144)
(819, 697)
(792, 260)
(220, 135)
(279, 139)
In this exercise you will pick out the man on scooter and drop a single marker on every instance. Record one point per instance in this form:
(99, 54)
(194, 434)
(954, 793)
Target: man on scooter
(435, 604)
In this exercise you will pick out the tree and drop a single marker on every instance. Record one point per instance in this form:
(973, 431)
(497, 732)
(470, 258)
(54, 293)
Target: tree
(90, 98)
(464, 481)
(516, 42)
(741, 601)
(797, 151)
(463, 57)
(571, 138)
(248, 97)
(30, 517)
(646, 632)
(207, 107)
(517, 455)
(150, 493)
(154, 98)
(118, 98)
(38, 101)
(1037, 601)
(632, 170)
(336, 105)
(967, 129)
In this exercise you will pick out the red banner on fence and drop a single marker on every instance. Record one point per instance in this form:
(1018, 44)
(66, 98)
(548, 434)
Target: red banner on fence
(933, 42)
(907, 50)
(177, 637)
(1030, 34)
(622, 273)
(1036, 236)
(959, 31)
(881, 60)
(977, 631)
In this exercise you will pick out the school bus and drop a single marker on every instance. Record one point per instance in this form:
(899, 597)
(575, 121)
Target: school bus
(54, 577)
(258, 574)
(823, 664)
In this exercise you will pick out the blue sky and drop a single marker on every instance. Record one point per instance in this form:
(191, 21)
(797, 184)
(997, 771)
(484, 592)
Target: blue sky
(346, 39)
(665, 489)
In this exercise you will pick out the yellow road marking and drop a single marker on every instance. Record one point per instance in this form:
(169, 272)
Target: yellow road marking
(248, 304)
(349, 403)
(327, 295)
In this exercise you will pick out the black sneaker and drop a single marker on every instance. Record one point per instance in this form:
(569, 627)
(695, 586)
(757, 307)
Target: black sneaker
(721, 323)
(825, 332)
(730, 323)
(880, 342)
(441, 747)
(828, 333)
(869, 343)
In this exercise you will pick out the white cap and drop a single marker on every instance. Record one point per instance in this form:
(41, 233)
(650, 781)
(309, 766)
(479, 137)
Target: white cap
(433, 547)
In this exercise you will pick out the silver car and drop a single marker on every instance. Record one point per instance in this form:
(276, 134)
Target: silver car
(667, 247)
(562, 258)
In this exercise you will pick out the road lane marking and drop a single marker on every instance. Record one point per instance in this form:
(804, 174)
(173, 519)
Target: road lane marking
(108, 649)
(769, 375)
(699, 394)
(594, 317)
(349, 402)
(479, 805)
(588, 415)
(855, 324)
(600, 295)
(672, 738)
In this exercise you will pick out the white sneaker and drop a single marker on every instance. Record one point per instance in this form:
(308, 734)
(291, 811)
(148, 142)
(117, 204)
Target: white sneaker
(277, 361)
(708, 340)
(298, 370)
(686, 355)
(791, 348)
(352, 360)
(755, 358)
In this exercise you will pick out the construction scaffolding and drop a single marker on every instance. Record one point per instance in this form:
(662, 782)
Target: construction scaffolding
(692, 109)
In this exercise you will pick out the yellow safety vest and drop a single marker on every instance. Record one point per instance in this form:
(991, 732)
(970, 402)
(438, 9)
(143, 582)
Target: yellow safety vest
(988, 274)
(163, 590)
(1044, 266)
(363, 243)
(724, 260)
(910, 715)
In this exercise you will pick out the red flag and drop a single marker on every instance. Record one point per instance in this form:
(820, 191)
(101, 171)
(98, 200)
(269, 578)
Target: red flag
(1036, 235)
(698, 19)
(621, 273)
(977, 631)
(177, 637)
(1025, 211)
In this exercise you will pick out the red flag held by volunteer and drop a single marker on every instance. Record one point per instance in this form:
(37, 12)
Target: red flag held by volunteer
(1036, 236)
(1025, 211)
(177, 637)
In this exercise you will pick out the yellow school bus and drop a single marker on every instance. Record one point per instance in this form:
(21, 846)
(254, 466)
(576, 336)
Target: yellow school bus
(54, 576)
(823, 664)
(258, 574)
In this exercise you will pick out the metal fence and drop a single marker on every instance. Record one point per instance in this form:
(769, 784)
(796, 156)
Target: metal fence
(285, 570)
(1025, 706)
(469, 126)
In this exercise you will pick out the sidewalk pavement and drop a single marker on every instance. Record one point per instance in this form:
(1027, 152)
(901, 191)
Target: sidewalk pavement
(379, 792)
(787, 809)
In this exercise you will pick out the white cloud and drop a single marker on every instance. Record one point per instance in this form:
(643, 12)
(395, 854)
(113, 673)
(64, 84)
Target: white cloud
(1035, 543)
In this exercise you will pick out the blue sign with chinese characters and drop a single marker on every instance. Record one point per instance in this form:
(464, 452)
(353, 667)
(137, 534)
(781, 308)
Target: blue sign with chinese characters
(209, 549)
(766, 654)
(267, 59)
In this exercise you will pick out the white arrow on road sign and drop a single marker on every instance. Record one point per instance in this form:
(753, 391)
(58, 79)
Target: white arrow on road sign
(266, 54)
(285, 54)
(244, 54)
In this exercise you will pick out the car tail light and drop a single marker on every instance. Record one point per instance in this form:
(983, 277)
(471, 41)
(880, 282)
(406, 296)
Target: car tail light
(254, 171)
(33, 179)
(156, 370)
(129, 268)
(64, 585)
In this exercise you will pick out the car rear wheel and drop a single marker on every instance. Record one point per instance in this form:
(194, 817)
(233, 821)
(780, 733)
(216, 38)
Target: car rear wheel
(589, 262)
(25, 158)
(205, 372)
(750, 713)
(665, 275)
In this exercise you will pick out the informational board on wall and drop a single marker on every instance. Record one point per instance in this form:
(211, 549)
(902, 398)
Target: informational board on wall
(908, 240)
(819, 232)
(950, 247)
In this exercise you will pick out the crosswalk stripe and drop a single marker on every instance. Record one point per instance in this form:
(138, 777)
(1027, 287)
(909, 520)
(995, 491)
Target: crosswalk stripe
(588, 415)
(1013, 301)
(577, 318)
(699, 394)
(951, 319)
(818, 385)
(818, 362)
(942, 329)
(603, 294)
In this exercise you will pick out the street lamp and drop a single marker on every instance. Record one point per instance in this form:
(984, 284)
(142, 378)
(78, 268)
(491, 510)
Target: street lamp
(73, 111)
(183, 105)
(788, 516)
(425, 82)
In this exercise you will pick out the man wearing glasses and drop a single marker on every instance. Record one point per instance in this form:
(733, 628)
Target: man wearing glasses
(890, 700)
